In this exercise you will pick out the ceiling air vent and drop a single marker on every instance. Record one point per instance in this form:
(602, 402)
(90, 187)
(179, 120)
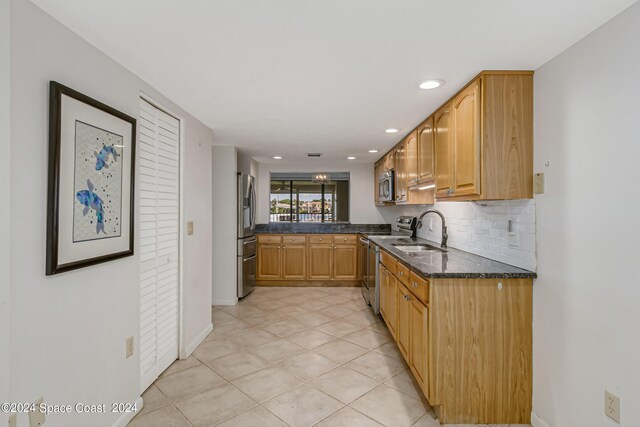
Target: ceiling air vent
(314, 154)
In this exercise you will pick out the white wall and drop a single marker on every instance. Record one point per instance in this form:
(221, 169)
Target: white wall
(481, 229)
(68, 331)
(361, 207)
(225, 232)
(196, 272)
(586, 316)
(5, 176)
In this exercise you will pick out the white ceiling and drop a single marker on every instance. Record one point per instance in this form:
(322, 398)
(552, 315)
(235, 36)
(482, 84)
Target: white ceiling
(291, 76)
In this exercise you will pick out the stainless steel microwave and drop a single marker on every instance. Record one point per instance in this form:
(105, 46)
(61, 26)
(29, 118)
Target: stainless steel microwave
(386, 187)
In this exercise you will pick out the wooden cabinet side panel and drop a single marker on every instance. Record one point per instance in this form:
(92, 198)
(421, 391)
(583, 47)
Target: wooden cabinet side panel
(475, 365)
(517, 317)
(507, 149)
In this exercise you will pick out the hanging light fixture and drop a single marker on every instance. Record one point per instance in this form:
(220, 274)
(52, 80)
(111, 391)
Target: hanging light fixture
(320, 178)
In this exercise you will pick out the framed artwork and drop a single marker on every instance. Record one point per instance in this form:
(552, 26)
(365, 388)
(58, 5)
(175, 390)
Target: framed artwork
(90, 206)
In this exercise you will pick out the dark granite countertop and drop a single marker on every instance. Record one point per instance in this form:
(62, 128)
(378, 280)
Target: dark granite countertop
(451, 264)
(320, 228)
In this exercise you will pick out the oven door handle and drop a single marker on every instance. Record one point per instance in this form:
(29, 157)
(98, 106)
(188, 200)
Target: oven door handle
(249, 259)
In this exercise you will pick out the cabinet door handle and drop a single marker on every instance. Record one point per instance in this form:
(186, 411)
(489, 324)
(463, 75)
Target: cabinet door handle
(415, 284)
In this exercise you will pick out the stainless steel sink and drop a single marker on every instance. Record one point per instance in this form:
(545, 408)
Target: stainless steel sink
(417, 248)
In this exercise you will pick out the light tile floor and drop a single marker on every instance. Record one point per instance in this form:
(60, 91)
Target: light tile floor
(294, 357)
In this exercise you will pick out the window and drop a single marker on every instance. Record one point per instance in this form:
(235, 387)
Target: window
(296, 198)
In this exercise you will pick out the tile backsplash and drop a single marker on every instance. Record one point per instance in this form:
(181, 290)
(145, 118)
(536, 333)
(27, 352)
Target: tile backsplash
(481, 228)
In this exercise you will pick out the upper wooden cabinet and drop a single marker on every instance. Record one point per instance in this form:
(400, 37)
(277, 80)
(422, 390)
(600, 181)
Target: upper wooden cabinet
(465, 125)
(411, 158)
(477, 146)
(377, 172)
(425, 153)
(400, 180)
(388, 162)
(443, 151)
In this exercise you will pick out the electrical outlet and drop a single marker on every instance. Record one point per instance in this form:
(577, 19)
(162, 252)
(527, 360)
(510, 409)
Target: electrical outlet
(514, 239)
(13, 420)
(612, 406)
(129, 347)
(37, 417)
(538, 183)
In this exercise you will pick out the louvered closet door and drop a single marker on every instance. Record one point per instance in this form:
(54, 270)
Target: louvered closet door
(159, 186)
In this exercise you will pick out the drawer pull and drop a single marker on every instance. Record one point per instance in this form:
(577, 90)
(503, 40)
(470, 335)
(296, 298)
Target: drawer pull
(401, 273)
(415, 284)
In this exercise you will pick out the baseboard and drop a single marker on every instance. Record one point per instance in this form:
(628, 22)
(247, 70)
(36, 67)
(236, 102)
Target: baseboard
(536, 421)
(216, 301)
(310, 283)
(126, 417)
(186, 352)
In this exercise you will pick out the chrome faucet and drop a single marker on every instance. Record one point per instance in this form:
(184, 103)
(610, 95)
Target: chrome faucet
(445, 236)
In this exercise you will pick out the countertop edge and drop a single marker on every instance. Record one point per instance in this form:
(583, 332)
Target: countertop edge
(523, 274)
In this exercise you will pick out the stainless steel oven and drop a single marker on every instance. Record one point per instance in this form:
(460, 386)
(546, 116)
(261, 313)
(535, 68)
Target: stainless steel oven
(386, 187)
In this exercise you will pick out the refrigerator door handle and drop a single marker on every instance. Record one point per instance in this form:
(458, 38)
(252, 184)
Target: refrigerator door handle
(253, 206)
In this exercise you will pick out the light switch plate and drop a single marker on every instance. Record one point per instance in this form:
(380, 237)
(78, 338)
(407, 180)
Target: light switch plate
(612, 406)
(538, 183)
(189, 228)
(37, 417)
(129, 347)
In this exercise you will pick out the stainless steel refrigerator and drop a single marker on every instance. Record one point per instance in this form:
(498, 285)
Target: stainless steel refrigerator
(246, 234)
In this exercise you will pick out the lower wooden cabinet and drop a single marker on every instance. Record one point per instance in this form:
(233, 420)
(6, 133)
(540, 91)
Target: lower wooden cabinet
(320, 262)
(294, 262)
(383, 273)
(403, 321)
(307, 257)
(345, 262)
(468, 342)
(388, 293)
(269, 261)
(418, 342)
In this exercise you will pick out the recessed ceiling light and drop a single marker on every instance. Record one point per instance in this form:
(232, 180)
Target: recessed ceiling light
(431, 84)
(391, 130)
(373, 151)
(277, 157)
(351, 158)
